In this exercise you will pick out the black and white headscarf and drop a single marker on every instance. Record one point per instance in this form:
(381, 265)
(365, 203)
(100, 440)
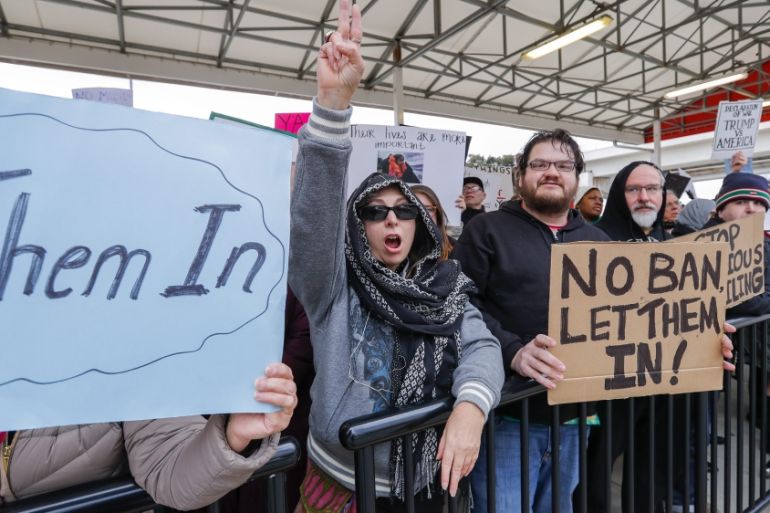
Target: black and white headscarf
(425, 308)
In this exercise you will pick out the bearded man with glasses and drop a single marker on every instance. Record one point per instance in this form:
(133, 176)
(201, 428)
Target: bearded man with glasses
(508, 254)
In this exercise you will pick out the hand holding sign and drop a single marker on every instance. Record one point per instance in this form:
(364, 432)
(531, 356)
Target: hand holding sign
(536, 362)
(276, 388)
(737, 161)
(727, 347)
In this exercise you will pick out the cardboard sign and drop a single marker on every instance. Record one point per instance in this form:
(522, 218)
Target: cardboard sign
(746, 259)
(291, 121)
(636, 319)
(497, 184)
(736, 128)
(143, 265)
(435, 158)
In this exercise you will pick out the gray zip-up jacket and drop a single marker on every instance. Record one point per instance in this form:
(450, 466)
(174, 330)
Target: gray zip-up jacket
(343, 389)
(182, 462)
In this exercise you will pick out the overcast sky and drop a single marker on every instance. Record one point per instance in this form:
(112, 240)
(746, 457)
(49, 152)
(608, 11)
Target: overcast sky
(199, 102)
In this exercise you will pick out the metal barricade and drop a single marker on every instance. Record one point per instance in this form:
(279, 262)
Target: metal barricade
(708, 466)
(122, 495)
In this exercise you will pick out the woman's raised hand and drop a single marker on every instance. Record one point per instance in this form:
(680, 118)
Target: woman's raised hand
(340, 65)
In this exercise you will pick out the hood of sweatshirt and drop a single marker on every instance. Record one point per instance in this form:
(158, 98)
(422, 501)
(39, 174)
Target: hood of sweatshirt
(617, 221)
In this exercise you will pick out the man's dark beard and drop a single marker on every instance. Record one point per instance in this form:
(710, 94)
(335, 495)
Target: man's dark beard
(547, 205)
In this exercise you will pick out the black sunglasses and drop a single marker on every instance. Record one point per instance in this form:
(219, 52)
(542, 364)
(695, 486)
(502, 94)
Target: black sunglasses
(380, 212)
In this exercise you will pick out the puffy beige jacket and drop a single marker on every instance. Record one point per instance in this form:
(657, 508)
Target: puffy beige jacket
(184, 462)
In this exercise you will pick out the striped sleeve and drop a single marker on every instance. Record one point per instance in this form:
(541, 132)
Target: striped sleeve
(477, 393)
(329, 124)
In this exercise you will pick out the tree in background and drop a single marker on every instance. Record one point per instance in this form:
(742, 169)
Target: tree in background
(475, 160)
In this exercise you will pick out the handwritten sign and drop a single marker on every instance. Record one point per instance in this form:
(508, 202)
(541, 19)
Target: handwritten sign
(435, 158)
(746, 258)
(112, 95)
(635, 319)
(736, 128)
(498, 184)
(291, 121)
(143, 266)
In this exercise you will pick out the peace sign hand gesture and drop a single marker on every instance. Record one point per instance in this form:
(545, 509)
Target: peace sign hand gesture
(340, 65)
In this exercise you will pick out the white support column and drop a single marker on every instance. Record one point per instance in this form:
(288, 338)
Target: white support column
(398, 87)
(656, 137)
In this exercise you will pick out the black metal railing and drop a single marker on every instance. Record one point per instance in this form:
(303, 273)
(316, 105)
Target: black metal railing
(719, 466)
(704, 465)
(122, 495)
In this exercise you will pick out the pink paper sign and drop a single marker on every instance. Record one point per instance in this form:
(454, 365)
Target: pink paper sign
(291, 121)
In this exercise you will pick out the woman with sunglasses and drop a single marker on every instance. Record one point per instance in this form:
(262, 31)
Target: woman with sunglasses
(391, 324)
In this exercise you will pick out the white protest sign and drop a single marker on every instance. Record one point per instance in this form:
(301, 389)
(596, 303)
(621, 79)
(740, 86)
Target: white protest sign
(113, 95)
(497, 184)
(143, 265)
(435, 158)
(736, 128)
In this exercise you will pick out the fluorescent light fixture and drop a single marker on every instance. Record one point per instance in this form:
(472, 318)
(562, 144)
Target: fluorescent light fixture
(570, 37)
(706, 85)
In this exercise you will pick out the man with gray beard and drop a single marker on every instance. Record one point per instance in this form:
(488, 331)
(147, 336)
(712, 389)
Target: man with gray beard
(634, 212)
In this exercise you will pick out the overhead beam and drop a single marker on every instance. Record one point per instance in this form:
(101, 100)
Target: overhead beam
(233, 31)
(450, 32)
(121, 27)
(400, 32)
(3, 23)
(146, 67)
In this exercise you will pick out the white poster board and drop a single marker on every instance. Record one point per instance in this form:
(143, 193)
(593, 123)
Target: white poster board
(736, 128)
(435, 158)
(498, 184)
(143, 265)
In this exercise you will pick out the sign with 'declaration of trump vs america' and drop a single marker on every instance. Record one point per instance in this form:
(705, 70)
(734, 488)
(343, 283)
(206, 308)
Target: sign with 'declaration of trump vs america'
(736, 129)
(143, 264)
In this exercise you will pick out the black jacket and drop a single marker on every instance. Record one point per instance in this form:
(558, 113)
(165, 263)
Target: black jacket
(616, 220)
(470, 213)
(758, 305)
(508, 254)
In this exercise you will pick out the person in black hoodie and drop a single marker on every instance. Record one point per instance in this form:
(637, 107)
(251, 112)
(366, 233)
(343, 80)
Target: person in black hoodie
(508, 254)
(634, 209)
(634, 212)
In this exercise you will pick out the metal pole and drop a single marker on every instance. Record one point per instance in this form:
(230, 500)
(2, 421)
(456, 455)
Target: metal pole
(656, 137)
(398, 87)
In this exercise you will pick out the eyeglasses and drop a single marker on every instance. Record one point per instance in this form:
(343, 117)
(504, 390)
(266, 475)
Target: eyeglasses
(471, 188)
(563, 166)
(649, 189)
(380, 212)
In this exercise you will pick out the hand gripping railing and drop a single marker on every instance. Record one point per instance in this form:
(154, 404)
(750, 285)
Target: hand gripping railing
(363, 433)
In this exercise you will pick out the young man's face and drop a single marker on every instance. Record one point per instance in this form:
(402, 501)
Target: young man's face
(644, 195)
(548, 191)
(473, 195)
(591, 204)
(740, 208)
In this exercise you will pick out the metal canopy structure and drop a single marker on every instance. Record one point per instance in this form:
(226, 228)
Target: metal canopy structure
(459, 58)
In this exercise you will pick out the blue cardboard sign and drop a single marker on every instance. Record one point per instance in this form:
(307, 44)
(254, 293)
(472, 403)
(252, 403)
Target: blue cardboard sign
(143, 262)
